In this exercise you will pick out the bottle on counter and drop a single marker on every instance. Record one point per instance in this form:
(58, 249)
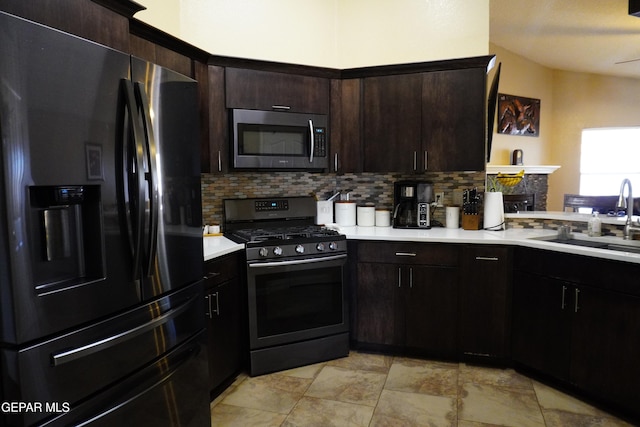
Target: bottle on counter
(594, 226)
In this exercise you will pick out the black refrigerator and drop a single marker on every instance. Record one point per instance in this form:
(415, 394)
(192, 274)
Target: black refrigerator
(101, 264)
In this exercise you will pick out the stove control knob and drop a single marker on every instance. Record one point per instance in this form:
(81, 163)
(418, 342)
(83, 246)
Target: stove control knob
(300, 249)
(277, 251)
(263, 252)
(333, 246)
(320, 247)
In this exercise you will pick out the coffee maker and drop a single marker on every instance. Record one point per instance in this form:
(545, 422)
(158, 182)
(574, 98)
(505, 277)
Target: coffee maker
(412, 200)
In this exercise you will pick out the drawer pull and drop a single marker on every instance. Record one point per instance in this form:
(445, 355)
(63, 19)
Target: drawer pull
(211, 275)
(487, 258)
(405, 254)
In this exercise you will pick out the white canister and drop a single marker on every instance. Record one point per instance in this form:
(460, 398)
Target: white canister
(383, 218)
(345, 211)
(324, 212)
(452, 216)
(366, 216)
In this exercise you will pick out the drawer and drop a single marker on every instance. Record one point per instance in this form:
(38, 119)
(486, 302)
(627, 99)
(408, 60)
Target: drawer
(220, 270)
(408, 253)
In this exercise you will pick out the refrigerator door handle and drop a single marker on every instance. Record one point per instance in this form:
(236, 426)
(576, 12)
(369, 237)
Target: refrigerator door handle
(66, 356)
(135, 177)
(154, 193)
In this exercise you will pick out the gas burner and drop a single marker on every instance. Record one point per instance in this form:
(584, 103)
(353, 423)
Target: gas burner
(283, 233)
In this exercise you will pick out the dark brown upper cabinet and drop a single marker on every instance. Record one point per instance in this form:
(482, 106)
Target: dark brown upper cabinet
(423, 117)
(392, 120)
(453, 120)
(267, 90)
(345, 127)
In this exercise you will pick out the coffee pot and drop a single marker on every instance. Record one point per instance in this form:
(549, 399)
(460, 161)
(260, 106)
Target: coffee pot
(412, 201)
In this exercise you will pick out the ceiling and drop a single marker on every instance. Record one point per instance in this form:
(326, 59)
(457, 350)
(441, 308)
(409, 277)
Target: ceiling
(590, 36)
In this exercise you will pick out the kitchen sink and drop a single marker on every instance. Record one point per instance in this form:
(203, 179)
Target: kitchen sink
(618, 247)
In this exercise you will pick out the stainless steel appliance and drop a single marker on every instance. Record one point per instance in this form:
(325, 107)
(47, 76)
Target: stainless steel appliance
(100, 236)
(296, 278)
(412, 204)
(279, 140)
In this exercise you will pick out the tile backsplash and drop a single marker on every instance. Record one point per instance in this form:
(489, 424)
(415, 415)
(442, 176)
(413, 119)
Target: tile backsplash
(373, 188)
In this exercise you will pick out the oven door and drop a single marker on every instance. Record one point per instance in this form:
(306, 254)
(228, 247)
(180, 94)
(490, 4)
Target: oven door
(297, 299)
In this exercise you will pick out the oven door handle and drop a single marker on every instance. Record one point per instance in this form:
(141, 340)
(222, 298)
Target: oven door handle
(295, 261)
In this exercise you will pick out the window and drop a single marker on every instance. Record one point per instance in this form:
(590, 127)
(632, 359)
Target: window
(609, 155)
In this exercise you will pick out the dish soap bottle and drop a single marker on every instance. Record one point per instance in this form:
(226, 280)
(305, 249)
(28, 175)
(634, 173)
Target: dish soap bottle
(594, 227)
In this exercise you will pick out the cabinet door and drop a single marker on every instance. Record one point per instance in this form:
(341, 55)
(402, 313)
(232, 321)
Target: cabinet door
(430, 310)
(223, 318)
(346, 148)
(266, 90)
(485, 298)
(542, 324)
(217, 154)
(377, 301)
(605, 345)
(453, 120)
(392, 123)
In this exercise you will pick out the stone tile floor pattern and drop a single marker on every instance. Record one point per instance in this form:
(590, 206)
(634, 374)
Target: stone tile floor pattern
(377, 390)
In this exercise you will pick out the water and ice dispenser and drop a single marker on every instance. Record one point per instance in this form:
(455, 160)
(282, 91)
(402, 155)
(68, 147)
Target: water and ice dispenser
(65, 236)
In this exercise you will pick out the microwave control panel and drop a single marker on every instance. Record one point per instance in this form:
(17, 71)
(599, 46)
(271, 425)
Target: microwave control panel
(320, 142)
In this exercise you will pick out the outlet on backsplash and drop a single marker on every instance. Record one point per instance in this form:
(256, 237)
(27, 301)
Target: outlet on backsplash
(439, 198)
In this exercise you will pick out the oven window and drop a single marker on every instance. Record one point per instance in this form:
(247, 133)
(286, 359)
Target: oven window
(268, 140)
(298, 300)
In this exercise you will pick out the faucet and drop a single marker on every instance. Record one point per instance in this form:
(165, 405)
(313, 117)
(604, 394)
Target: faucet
(629, 226)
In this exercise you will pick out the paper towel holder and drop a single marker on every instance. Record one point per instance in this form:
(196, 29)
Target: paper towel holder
(493, 211)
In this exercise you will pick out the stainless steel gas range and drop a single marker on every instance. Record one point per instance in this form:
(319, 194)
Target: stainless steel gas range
(296, 278)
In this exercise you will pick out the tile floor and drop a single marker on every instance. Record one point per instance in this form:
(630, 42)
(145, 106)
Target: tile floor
(376, 390)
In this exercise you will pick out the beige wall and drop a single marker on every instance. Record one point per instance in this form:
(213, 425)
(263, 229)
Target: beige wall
(569, 103)
(330, 33)
(585, 101)
(522, 77)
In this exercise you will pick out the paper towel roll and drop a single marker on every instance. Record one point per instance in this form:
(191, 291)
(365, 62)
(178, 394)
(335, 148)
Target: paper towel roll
(493, 211)
(345, 212)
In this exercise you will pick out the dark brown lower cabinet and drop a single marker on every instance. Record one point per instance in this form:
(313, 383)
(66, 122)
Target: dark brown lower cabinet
(224, 318)
(580, 326)
(405, 304)
(485, 302)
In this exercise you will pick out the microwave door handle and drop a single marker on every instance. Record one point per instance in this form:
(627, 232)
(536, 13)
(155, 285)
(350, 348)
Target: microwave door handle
(311, 140)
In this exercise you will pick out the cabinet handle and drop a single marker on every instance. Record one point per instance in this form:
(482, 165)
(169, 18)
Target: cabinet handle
(335, 162)
(210, 310)
(564, 291)
(211, 275)
(411, 277)
(415, 160)
(426, 157)
(217, 310)
(219, 161)
(576, 306)
(207, 313)
(281, 107)
(487, 258)
(399, 277)
(405, 254)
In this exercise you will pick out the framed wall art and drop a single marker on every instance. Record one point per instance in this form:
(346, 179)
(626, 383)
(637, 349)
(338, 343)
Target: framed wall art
(518, 115)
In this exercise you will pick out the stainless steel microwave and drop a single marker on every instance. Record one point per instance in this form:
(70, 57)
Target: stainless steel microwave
(279, 140)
